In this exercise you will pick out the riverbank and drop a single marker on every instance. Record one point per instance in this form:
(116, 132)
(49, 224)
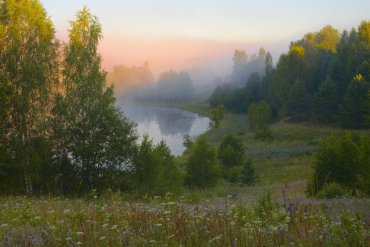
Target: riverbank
(282, 164)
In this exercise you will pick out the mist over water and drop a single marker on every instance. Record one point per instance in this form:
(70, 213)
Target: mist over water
(166, 123)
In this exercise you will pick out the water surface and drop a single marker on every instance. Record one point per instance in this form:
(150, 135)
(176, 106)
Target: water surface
(168, 124)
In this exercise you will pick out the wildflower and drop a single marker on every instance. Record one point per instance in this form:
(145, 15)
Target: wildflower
(79, 243)
(105, 225)
(229, 196)
(114, 227)
(80, 233)
(171, 203)
(158, 225)
(4, 225)
(102, 238)
(37, 218)
(68, 238)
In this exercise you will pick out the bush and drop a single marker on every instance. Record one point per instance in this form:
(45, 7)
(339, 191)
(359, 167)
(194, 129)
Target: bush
(236, 167)
(248, 176)
(263, 134)
(333, 190)
(231, 151)
(343, 160)
(155, 169)
(202, 166)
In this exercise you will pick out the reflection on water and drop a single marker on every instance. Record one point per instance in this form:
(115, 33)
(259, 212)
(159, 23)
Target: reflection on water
(166, 123)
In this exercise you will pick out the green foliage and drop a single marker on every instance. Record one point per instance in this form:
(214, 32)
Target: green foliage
(343, 160)
(89, 131)
(28, 73)
(202, 166)
(248, 174)
(265, 207)
(231, 151)
(155, 171)
(313, 77)
(326, 101)
(355, 109)
(259, 117)
(263, 134)
(236, 168)
(333, 190)
(217, 115)
(298, 104)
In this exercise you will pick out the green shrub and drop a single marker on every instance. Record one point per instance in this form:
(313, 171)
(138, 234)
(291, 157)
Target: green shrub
(333, 190)
(263, 134)
(237, 168)
(248, 176)
(202, 166)
(231, 151)
(343, 160)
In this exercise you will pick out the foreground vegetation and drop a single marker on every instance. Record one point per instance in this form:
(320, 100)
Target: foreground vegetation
(112, 221)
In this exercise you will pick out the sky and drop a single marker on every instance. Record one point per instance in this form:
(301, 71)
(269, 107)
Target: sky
(183, 34)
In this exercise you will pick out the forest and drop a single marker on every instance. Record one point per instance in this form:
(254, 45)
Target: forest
(324, 77)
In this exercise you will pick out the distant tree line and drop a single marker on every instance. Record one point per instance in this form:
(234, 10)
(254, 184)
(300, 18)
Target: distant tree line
(126, 78)
(324, 77)
(171, 87)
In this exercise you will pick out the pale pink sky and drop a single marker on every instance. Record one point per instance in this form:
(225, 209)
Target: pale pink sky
(182, 34)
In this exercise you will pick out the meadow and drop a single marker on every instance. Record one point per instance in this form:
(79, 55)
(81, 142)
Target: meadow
(111, 220)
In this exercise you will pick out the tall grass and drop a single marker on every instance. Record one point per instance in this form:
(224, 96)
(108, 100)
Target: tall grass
(113, 221)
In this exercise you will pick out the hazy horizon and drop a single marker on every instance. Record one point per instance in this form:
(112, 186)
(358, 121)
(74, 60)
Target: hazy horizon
(191, 34)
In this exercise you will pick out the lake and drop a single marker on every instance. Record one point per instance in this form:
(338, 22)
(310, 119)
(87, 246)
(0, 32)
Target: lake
(168, 124)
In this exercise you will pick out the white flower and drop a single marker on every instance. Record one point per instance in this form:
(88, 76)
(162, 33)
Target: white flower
(114, 227)
(3, 225)
(68, 238)
(79, 243)
(80, 233)
(105, 225)
(102, 238)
